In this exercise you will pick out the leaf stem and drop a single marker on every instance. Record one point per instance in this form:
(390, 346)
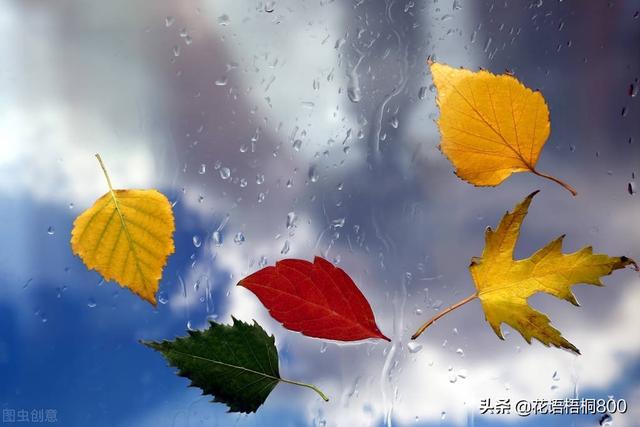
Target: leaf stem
(106, 174)
(442, 313)
(311, 386)
(557, 181)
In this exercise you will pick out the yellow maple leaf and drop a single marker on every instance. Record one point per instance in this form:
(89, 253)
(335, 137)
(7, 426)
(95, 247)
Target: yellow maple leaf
(491, 125)
(126, 236)
(504, 284)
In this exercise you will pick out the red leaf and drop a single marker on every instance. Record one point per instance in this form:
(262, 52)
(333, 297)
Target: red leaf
(319, 300)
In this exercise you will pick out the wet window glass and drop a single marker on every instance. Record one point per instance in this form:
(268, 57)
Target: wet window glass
(300, 129)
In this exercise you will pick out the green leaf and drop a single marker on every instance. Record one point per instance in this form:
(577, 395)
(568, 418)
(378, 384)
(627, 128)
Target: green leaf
(237, 364)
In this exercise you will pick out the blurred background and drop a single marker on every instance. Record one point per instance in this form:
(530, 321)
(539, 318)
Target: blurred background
(294, 128)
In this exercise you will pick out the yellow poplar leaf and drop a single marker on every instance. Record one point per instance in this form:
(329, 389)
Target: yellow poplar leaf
(505, 284)
(126, 236)
(491, 125)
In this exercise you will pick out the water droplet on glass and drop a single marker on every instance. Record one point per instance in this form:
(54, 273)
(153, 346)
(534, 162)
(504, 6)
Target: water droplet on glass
(51, 231)
(631, 187)
(168, 21)
(269, 6)
(285, 247)
(313, 174)
(291, 219)
(456, 5)
(222, 81)
(224, 20)
(259, 178)
(414, 347)
(225, 173)
(203, 169)
(323, 347)
(460, 352)
(91, 303)
(422, 93)
(239, 238)
(163, 298)
(217, 238)
(606, 420)
(443, 415)
(197, 241)
(418, 312)
(176, 51)
(353, 88)
(394, 122)
(297, 144)
(338, 222)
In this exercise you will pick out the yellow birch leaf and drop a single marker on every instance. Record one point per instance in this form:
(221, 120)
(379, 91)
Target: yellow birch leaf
(504, 284)
(126, 236)
(491, 125)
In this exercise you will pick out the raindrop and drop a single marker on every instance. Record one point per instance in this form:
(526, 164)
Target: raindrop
(338, 223)
(487, 44)
(443, 415)
(197, 242)
(460, 352)
(291, 219)
(269, 6)
(168, 21)
(222, 81)
(217, 238)
(606, 420)
(51, 231)
(189, 327)
(353, 92)
(323, 347)
(91, 303)
(555, 376)
(456, 5)
(239, 238)
(313, 174)
(297, 144)
(243, 182)
(414, 347)
(259, 178)
(163, 298)
(285, 247)
(225, 173)
(394, 122)
(422, 93)
(224, 20)
(176, 51)
(418, 312)
(203, 169)
(631, 187)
